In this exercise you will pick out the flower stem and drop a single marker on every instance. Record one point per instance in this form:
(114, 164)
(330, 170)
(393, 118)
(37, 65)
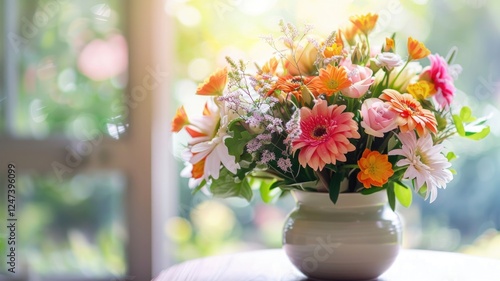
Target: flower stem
(399, 73)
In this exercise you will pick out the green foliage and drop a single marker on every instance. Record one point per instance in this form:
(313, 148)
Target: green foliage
(334, 187)
(469, 126)
(403, 194)
(236, 144)
(229, 186)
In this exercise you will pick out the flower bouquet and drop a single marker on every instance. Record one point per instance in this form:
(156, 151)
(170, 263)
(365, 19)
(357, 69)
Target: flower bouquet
(333, 114)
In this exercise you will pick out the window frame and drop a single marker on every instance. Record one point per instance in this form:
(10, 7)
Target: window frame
(144, 154)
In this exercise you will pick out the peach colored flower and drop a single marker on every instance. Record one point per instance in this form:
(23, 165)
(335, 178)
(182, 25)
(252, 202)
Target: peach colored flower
(417, 49)
(410, 114)
(377, 117)
(375, 169)
(325, 134)
(301, 62)
(350, 31)
(180, 120)
(213, 85)
(330, 80)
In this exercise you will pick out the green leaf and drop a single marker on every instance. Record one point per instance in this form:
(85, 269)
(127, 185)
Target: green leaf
(478, 135)
(334, 187)
(264, 186)
(459, 124)
(391, 196)
(227, 185)
(453, 171)
(236, 144)
(403, 194)
(466, 115)
(371, 190)
(451, 156)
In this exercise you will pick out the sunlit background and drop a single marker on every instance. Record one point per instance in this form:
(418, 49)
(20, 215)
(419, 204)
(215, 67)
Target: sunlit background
(66, 76)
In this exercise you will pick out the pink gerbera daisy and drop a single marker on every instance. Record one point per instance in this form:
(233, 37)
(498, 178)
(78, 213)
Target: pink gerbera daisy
(438, 74)
(325, 133)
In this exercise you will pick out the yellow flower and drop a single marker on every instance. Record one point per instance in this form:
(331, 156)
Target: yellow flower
(389, 45)
(365, 23)
(375, 169)
(333, 50)
(417, 49)
(421, 90)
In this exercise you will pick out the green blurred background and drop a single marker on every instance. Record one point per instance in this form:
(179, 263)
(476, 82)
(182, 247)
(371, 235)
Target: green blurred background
(71, 77)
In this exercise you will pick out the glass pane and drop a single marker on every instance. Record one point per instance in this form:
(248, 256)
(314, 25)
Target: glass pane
(464, 218)
(74, 228)
(72, 67)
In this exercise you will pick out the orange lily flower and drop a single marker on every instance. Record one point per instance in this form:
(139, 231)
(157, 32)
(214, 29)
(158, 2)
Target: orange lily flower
(417, 49)
(365, 23)
(180, 120)
(389, 45)
(213, 85)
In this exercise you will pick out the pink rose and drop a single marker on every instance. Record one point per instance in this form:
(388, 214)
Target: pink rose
(361, 78)
(377, 118)
(438, 74)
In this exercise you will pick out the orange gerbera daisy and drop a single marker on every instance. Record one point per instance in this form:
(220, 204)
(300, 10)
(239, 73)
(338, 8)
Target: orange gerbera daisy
(213, 85)
(375, 169)
(410, 113)
(325, 134)
(330, 80)
(365, 23)
(291, 85)
(180, 120)
(417, 49)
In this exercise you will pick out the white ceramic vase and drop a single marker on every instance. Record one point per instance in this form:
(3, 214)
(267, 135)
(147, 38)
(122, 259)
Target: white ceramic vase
(356, 239)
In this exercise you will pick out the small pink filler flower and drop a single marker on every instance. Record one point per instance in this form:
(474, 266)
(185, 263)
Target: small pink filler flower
(325, 133)
(377, 117)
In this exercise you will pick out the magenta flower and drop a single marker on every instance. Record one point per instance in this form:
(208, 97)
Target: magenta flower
(439, 75)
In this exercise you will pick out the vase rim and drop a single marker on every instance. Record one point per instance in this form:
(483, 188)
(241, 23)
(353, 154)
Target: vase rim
(345, 200)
